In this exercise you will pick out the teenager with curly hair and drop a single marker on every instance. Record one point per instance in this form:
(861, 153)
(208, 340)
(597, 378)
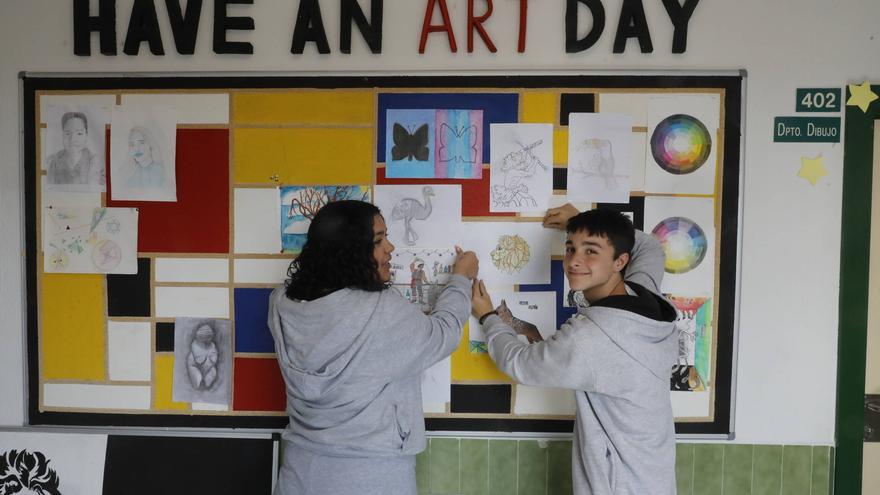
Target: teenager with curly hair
(352, 354)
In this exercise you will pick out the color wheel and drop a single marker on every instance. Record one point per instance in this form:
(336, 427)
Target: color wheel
(684, 243)
(680, 144)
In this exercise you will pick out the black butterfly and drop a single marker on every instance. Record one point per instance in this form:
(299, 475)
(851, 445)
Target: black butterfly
(408, 145)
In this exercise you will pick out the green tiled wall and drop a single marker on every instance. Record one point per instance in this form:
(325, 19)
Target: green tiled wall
(527, 467)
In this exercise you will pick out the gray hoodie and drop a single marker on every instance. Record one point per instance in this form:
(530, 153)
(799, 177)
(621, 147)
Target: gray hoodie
(617, 356)
(352, 363)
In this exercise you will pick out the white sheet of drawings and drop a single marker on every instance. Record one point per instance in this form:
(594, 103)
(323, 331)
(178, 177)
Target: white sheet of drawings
(89, 240)
(143, 153)
(511, 252)
(74, 147)
(420, 274)
(703, 108)
(202, 360)
(423, 216)
(437, 382)
(692, 249)
(521, 178)
(537, 308)
(600, 157)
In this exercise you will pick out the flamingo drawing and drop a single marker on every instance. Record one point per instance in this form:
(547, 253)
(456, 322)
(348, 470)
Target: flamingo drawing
(409, 209)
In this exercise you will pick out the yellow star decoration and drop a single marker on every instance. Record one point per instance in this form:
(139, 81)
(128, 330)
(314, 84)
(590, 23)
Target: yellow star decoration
(861, 96)
(812, 169)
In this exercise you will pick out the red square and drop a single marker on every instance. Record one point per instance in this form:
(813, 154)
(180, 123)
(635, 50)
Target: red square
(474, 192)
(198, 222)
(258, 385)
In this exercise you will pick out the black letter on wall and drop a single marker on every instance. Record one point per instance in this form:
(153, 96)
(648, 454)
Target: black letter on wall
(572, 44)
(372, 31)
(143, 25)
(632, 24)
(223, 23)
(680, 16)
(104, 23)
(184, 27)
(309, 27)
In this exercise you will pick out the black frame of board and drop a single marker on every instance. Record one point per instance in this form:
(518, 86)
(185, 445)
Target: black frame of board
(729, 230)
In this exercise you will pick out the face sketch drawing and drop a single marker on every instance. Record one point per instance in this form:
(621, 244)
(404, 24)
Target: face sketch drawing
(147, 170)
(201, 362)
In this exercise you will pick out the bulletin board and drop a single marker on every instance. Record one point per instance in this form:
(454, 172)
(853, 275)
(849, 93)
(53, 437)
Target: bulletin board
(106, 349)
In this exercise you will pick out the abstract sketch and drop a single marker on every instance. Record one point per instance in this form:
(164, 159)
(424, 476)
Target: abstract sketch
(143, 150)
(460, 144)
(599, 157)
(90, 240)
(522, 161)
(26, 472)
(409, 147)
(202, 360)
(77, 133)
(424, 216)
(693, 322)
(511, 254)
(299, 204)
(420, 274)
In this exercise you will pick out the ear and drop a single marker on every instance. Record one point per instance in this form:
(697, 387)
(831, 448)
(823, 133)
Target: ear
(621, 262)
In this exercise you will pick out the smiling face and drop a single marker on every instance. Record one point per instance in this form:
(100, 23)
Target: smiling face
(75, 135)
(139, 148)
(591, 266)
(382, 248)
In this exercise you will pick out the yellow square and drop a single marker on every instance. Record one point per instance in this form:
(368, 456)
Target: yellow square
(307, 107)
(164, 378)
(73, 339)
(539, 108)
(468, 366)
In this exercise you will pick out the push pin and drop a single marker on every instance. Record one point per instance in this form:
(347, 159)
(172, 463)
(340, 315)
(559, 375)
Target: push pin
(274, 178)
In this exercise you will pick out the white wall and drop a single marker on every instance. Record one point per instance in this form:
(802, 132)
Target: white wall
(791, 229)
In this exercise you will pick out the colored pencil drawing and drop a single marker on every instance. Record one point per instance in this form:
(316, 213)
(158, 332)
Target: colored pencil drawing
(90, 240)
(421, 216)
(419, 274)
(693, 322)
(511, 254)
(460, 144)
(600, 157)
(143, 153)
(299, 204)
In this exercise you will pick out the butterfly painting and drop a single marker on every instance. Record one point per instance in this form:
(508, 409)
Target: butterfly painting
(460, 148)
(409, 143)
(410, 146)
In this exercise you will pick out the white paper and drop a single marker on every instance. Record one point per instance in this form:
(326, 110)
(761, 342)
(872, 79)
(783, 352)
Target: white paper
(423, 216)
(600, 159)
(202, 360)
(420, 274)
(143, 151)
(686, 228)
(521, 178)
(74, 147)
(537, 308)
(683, 122)
(89, 240)
(511, 252)
(544, 401)
(437, 383)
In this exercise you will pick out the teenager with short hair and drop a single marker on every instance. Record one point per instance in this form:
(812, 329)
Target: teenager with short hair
(616, 354)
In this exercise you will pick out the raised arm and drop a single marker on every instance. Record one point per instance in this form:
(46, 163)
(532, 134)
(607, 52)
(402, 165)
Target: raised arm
(646, 263)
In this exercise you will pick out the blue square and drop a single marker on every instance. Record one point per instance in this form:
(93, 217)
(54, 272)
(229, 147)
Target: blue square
(252, 321)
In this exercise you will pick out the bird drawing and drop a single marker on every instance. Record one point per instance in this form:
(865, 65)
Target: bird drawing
(409, 209)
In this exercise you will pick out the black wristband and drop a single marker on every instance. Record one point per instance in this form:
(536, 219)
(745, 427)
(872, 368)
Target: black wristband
(490, 313)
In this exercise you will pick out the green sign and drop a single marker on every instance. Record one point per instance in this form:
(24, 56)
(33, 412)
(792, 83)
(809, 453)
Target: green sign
(818, 100)
(806, 130)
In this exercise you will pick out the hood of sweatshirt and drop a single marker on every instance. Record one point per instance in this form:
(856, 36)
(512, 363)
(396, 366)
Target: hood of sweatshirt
(642, 325)
(316, 342)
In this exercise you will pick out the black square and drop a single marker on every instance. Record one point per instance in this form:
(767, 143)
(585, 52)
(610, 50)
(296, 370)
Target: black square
(575, 103)
(481, 399)
(129, 295)
(164, 337)
(636, 207)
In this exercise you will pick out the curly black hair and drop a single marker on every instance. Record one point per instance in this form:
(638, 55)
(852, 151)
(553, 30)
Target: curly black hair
(338, 253)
